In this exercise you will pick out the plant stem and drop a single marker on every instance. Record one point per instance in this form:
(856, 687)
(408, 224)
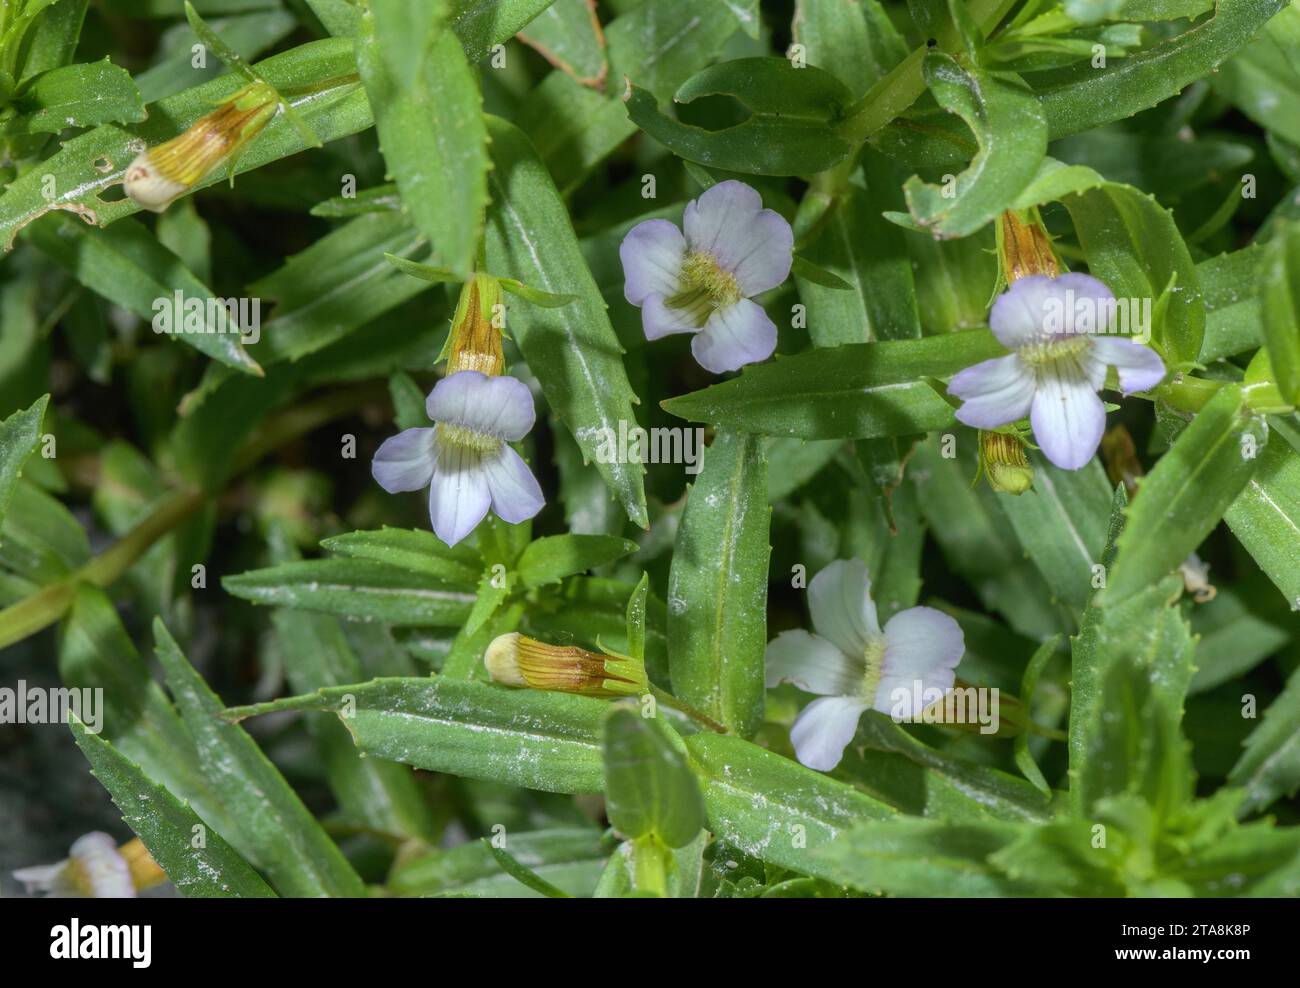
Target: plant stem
(703, 719)
(47, 605)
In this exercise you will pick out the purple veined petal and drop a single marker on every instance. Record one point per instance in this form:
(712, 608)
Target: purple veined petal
(824, 729)
(1067, 416)
(993, 392)
(496, 406)
(720, 217)
(652, 255)
(813, 664)
(516, 495)
(843, 612)
(735, 336)
(458, 495)
(921, 645)
(404, 462)
(658, 320)
(1140, 368)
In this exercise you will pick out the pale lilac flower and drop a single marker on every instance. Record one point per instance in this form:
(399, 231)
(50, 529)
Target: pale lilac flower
(855, 666)
(94, 869)
(465, 459)
(704, 282)
(1056, 367)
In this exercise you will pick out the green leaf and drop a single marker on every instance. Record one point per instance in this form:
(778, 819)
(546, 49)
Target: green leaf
(530, 738)
(718, 585)
(19, 434)
(574, 352)
(1082, 97)
(428, 113)
(1033, 670)
(1012, 136)
(552, 558)
(1279, 299)
(480, 24)
(83, 95)
(1269, 767)
(857, 391)
(1265, 517)
(569, 858)
(856, 41)
(128, 266)
(1181, 500)
(771, 807)
(649, 789)
(286, 841)
(168, 828)
(568, 35)
(359, 589)
(91, 163)
(1261, 79)
(790, 128)
(379, 794)
(522, 874)
(411, 549)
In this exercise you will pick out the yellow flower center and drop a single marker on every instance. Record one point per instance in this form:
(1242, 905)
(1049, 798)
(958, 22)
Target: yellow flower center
(1059, 347)
(705, 288)
(873, 660)
(467, 438)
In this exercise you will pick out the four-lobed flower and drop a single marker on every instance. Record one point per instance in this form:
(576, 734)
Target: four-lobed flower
(855, 665)
(1057, 365)
(703, 281)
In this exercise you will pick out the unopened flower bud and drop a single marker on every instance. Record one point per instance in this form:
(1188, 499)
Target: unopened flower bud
(475, 341)
(160, 174)
(1002, 455)
(517, 660)
(1025, 249)
(94, 869)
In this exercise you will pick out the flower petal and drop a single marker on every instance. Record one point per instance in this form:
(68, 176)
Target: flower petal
(824, 729)
(459, 495)
(842, 609)
(813, 664)
(516, 495)
(755, 244)
(496, 406)
(659, 321)
(652, 255)
(993, 392)
(404, 462)
(921, 645)
(735, 336)
(1067, 416)
(1017, 315)
(1140, 368)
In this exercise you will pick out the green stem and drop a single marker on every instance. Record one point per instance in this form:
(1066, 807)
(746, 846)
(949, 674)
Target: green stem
(47, 605)
(1189, 394)
(701, 718)
(650, 865)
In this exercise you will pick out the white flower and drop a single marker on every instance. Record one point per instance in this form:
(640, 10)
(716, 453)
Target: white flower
(703, 283)
(856, 666)
(1056, 367)
(465, 459)
(94, 869)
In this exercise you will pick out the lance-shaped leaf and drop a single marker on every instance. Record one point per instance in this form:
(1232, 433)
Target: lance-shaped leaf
(1265, 517)
(412, 549)
(790, 129)
(277, 832)
(1012, 135)
(570, 858)
(207, 868)
(1082, 97)
(772, 807)
(857, 391)
(1191, 486)
(1279, 298)
(573, 350)
(360, 589)
(552, 558)
(480, 24)
(83, 95)
(429, 115)
(530, 738)
(19, 434)
(649, 789)
(334, 105)
(1269, 767)
(717, 586)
